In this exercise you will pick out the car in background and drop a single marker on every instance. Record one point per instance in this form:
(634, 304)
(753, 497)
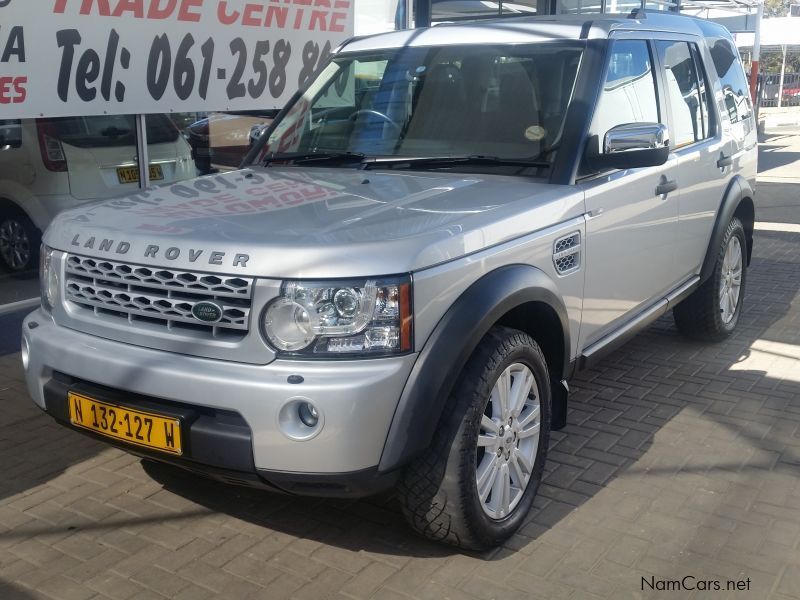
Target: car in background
(221, 140)
(772, 87)
(48, 165)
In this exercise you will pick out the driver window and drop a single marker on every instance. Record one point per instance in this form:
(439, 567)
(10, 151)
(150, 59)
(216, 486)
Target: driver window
(629, 92)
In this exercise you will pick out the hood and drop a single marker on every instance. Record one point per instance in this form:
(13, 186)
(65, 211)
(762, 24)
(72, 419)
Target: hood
(313, 223)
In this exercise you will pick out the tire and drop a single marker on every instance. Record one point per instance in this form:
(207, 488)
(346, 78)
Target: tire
(19, 241)
(439, 491)
(703, 316)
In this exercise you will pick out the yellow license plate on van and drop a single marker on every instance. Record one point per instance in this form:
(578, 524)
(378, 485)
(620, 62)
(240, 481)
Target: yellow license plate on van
(132, 426)
(131, 174)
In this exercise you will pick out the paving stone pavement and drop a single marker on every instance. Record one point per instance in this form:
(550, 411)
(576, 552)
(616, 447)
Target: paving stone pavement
(680, 459)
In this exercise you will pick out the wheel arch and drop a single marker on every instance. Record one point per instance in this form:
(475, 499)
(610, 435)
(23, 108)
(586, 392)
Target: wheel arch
(736, 202)
(519, 296)
(9, 206)
(746, 212)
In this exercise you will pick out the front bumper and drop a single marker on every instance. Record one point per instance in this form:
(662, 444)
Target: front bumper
(239, 405)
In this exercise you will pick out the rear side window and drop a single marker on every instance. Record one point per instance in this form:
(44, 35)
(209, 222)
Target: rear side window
(629, 92)
(686, 90)
(111, 131)
(737, 104)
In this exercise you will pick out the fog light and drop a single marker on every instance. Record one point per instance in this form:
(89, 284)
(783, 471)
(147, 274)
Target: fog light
(308, 414)
(300, 420)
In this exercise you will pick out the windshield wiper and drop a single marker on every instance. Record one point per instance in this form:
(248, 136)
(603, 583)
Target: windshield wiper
(446, 161)
(297, 157)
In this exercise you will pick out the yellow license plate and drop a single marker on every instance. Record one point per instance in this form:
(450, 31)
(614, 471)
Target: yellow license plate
(132, 426)
(131, 174)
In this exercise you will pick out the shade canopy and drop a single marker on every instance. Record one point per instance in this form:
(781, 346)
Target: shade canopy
(779, 31)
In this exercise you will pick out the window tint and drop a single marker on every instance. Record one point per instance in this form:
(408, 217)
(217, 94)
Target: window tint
(10, 133)
(736, 98)
(705, 94)
(687, 97)
(504, 101)
(110, 131)
(629, 93)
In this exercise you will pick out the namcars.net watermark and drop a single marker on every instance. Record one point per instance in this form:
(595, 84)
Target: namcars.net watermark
(690, 583)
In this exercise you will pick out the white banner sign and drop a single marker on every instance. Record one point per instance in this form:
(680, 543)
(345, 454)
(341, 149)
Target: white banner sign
(91, 57)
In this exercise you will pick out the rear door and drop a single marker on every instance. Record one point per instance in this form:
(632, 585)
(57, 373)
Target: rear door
(630, 231)
(703, 159)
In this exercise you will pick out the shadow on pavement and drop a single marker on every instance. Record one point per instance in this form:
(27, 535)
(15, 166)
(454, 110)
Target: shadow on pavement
(773, 153)
(9, 591)
(33, 449)
(11, 331)
(658, 384)
(730, 416)
(18, 286)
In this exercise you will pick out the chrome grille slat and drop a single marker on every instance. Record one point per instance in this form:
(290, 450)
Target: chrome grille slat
(134, 292)
(206, 284)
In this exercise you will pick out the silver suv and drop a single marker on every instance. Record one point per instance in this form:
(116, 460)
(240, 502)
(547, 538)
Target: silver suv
(425, 245)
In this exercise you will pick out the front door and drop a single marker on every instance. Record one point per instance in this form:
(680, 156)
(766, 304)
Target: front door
(630, 230)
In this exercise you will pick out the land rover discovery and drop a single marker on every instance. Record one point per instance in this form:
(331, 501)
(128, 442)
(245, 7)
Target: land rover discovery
(421, 250)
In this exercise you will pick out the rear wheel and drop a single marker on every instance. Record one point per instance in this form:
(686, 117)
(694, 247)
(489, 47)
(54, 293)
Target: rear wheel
(475, 485)
(19, 241)
(712, 311)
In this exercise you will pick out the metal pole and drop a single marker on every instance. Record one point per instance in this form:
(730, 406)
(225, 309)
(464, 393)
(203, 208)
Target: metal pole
(756, 52)
(783, 70)
(142, 154)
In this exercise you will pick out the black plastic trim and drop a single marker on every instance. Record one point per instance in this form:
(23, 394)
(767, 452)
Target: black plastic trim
(215, 438)
(738, 189)
(353, 484)
(217, 445)
(449, 347)
(588, 85)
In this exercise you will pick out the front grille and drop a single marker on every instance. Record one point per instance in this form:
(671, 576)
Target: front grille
(162, 297)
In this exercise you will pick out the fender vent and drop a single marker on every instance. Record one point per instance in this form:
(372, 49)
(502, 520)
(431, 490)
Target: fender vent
(567, 253)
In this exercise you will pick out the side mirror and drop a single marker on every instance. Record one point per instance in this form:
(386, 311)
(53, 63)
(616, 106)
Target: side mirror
(256, 131)
(632, 145)
(10, 134)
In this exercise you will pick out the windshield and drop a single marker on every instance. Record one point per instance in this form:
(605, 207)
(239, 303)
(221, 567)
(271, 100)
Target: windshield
(505, 102)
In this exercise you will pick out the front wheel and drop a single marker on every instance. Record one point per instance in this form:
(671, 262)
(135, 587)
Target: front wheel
(712, 311)
(476, 483)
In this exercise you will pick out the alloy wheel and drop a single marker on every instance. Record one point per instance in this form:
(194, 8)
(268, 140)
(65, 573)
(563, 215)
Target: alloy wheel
(730, 280)
(15, 244)
(508, 441)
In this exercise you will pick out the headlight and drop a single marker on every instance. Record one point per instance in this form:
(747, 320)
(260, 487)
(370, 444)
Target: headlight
(48, 278)
(371, 317)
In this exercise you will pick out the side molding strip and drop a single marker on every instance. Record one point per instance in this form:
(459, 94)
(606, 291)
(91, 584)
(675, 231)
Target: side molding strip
(619, 336)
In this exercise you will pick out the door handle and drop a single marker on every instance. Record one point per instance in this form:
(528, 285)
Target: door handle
(724, 161)
(666, 186)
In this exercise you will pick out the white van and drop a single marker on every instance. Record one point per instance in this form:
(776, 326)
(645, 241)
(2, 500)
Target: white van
(48, 165)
